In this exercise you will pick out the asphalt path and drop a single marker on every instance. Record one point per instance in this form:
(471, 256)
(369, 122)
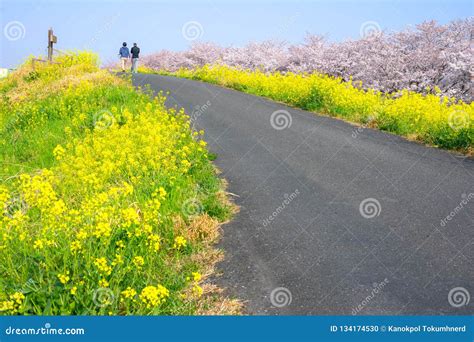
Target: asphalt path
(334, 219)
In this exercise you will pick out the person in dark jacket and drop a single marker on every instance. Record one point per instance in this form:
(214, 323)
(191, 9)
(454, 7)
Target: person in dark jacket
(124, 55)
(135, 52)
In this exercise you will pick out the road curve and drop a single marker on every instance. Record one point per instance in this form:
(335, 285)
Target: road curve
(334, 219)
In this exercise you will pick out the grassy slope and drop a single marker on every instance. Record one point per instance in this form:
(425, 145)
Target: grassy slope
(108, 202)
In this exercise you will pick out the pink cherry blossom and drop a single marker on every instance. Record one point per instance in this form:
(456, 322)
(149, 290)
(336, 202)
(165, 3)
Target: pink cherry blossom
(420, 58)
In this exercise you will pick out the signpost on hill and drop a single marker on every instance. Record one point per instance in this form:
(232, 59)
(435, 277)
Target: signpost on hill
(52, 39)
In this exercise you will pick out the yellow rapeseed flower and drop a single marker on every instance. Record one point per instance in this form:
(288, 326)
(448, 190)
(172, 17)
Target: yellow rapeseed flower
(76, 246)
(197, 290)
(103, 283)
(64, 277)
(102, 229)
(102, 265)
(152, 296)
(38, 244)
(138, 261)
(179, 242)
(59, 152)
(129, 293)
(196, 276)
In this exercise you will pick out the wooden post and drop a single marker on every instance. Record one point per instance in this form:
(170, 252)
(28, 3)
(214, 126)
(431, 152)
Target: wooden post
(52, 39)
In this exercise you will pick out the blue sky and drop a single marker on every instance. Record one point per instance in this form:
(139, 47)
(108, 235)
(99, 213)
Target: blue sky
(102, 26)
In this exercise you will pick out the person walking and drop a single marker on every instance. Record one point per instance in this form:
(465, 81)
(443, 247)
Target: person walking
(135, 52)
(124, 55)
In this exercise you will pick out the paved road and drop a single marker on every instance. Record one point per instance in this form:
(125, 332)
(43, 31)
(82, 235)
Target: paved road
(345, 220)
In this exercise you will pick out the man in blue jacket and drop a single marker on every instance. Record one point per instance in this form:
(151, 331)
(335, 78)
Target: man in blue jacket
(124, 55)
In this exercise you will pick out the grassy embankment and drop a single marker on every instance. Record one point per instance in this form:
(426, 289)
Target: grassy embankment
(108, 201)
(444, 122)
